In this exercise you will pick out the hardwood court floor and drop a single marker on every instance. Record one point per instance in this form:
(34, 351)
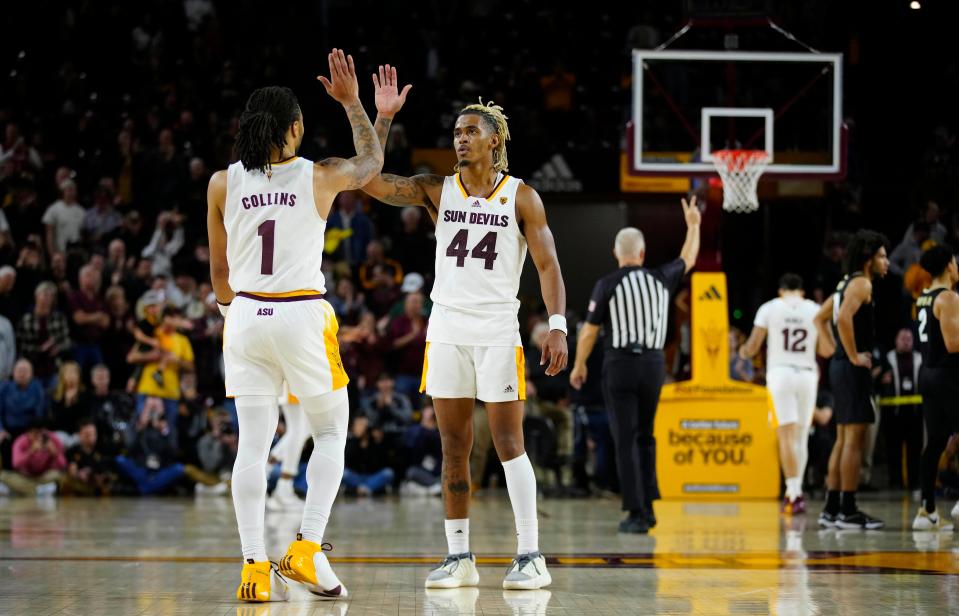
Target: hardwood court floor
(180, 556)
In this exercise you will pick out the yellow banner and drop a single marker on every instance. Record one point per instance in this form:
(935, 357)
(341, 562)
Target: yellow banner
(715, 437)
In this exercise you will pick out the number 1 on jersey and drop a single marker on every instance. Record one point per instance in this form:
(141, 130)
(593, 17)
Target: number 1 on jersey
(267, 231)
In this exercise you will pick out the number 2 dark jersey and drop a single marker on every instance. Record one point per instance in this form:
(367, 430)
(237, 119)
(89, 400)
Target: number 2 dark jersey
(274, 235)
(480, 252)
(931, 344)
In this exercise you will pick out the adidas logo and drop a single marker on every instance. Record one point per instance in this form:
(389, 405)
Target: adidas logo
(712, 293)
(508, 390)
(476, 203)
(556, 176)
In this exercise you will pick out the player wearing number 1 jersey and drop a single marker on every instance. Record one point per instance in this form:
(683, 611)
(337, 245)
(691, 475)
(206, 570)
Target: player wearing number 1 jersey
(266, 218)
(485, 221)
(792, 376)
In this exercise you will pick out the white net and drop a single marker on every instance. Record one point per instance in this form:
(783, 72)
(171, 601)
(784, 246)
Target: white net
(740, 171)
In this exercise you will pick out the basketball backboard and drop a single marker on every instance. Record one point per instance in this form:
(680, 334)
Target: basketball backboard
(688, 104)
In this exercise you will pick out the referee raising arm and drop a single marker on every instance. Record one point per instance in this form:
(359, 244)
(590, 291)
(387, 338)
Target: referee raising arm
(632, 304)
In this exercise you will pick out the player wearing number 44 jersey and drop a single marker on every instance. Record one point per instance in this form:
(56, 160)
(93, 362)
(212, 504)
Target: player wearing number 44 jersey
(485, 219)
(792, 376)
(266, 218)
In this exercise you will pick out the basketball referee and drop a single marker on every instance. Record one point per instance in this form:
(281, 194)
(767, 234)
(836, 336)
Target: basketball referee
(632, 304)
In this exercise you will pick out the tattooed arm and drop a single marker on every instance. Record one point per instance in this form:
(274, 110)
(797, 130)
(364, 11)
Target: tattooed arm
(334, 175)
(422, 190)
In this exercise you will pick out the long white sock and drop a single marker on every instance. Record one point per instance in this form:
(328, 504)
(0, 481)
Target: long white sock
(521, 486)
(793, 487)
(458, 536)
(328, 416)
(297, 431)
(258, 416)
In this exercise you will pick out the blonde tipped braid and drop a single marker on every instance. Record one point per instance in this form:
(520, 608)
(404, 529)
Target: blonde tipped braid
(494, 114)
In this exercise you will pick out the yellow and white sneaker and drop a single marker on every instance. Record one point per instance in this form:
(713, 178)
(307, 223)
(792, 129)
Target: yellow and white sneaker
(260, 582)
(930, 521)
(306, 563)
(456, 571)
(528, 572)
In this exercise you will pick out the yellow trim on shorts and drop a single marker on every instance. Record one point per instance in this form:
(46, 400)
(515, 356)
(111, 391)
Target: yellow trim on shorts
(521, 373)
(291, 399)
(298, 293)
(338, 372)
(426, 365)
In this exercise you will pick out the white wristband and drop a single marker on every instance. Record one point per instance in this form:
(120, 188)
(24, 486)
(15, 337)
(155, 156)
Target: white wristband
(223, 308)
(557, 321)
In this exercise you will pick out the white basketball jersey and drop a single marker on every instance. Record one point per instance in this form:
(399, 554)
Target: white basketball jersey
(480, 253)
(791, 331)
(274, 233)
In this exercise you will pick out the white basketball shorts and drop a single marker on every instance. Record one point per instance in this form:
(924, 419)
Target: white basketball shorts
(793, 391)
(291, 336)
(487, 373)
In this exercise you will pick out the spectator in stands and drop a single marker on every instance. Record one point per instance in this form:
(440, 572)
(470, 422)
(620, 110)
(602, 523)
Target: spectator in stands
(43, 334)
(929, 217)
(551, 399)
(424, 454)
(346, 302)
(557, 88)
(64, 219)
(22, 404)
(38, 461)
(8, 348)
(118, 339)
(909, 250)
(364, 351)
(165, 175)
(901, 419)
(386, 409)
(9, 306)
(151, 463)
(376, 256)
(118, 265)
(739, 369)
(163, 367)
(408, 335)
(31, 271)
(102, 218)
(216, 450)
(133, 233)
(168, 239)
(89, 316)
(90, 468)
(348, 216)
(412, 283)
(112, 411)
(367, 471)
(69, 403)
(411, 244)
(385, 290)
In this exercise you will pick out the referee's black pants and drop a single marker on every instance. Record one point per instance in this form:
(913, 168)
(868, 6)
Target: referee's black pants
(631, 386)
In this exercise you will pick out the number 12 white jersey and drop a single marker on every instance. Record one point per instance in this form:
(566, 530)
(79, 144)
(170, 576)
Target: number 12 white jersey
(480, 252)
(791, 331)
(274, 235)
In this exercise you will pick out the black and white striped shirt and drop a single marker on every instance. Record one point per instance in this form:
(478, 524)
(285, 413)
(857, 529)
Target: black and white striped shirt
(633, 303)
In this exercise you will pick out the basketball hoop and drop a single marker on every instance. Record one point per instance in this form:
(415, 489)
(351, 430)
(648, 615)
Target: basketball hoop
(740, 171)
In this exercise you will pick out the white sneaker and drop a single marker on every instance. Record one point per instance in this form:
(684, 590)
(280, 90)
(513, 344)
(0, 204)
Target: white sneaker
(46, 489)
(930, 521)
(284, 499)
(457, 570)
(460, 601)
(4, 490)
(219, 489)
(528, 572)
(529, 603)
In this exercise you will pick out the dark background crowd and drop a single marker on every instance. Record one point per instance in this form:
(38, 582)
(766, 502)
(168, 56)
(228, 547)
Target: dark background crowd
(114, 115)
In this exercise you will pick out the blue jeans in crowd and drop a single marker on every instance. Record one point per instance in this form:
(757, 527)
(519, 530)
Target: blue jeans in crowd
(374, 482)
(88, 356)
(147, 481)
(299, 482)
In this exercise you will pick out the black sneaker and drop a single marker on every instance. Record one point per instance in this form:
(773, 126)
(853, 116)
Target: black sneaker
(651, 518)
(634, 525)
(827, 520)
(858, 520)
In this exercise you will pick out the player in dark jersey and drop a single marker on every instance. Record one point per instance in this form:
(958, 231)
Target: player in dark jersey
(937, 323)
(852, 315)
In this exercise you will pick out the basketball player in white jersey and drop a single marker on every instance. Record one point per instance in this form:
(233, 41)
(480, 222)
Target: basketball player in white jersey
(267, 215)
(792, 376)
(485, 220)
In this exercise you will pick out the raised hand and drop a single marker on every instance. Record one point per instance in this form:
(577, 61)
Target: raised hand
(389, 100)
(342, 84)
(691, 212)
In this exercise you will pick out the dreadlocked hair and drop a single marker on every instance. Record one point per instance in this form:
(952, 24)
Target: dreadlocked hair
(862, 247)
(263, 124)
(494, 117)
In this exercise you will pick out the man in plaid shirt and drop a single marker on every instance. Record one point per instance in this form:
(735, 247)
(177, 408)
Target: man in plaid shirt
(43, 334)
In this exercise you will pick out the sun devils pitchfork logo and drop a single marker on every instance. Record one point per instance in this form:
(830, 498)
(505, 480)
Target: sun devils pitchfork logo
(713, 335)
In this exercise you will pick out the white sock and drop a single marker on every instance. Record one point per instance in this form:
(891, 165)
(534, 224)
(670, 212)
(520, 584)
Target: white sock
(458, 536)
(793, 487)
(258, 416)
(328, 416)
(297, 431)
(521, 486)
